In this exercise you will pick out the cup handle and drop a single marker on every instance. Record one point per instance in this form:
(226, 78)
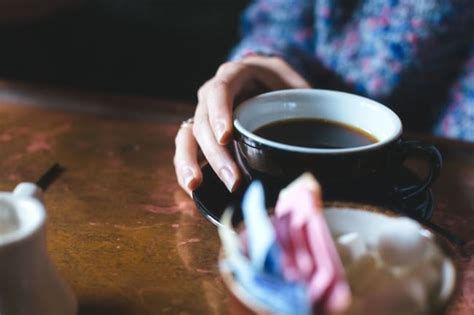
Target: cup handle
(414, 148)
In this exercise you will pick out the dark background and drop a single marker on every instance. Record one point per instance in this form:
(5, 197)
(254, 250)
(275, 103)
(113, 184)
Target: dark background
(163, 48)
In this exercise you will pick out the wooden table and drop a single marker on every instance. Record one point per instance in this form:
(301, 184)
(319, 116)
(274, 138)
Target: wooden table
(120, 230)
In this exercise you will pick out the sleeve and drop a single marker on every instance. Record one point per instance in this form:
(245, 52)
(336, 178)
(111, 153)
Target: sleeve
(387, 44)
(282, 28)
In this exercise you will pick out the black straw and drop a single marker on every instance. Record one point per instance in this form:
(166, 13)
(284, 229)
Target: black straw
(50, 176)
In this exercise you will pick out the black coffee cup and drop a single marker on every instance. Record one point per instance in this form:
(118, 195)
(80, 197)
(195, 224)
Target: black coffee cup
(372, 168)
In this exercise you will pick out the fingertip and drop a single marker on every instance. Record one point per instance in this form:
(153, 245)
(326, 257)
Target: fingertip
(230, 175)
(187, 176)
(194, 182)
(236, 185)
(219, 129)
(225, 138)
(238, 179)
(222, 132)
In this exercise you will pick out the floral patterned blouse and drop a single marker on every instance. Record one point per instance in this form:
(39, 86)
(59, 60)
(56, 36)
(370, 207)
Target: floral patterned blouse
(416, 56)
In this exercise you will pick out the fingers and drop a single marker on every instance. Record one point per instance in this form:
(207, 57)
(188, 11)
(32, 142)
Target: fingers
(186, 164)
(280, 68)
(216, 154)
(219, 100)
(213, 125)
(231, 78)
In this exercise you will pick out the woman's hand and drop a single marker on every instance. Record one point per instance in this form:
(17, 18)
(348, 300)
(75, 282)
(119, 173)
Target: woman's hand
(212, 127)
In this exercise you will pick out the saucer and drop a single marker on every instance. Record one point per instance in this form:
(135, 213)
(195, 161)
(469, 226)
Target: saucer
(369, 226)
(212, 198)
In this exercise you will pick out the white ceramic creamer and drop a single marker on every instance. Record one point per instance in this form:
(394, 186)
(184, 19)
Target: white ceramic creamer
(29, 282)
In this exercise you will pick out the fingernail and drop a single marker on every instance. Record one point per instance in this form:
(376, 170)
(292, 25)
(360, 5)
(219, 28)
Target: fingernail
(228, 178)
(188, 176)
(220, 130)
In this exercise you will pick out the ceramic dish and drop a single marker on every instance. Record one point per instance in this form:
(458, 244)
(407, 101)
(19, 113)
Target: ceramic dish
(369, 224)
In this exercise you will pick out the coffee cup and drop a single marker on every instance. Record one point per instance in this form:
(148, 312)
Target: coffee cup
(371, 167)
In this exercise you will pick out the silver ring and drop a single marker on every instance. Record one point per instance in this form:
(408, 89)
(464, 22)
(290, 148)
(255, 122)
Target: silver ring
(187, 122)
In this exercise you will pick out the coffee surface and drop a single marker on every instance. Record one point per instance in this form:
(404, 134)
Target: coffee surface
(315, 133)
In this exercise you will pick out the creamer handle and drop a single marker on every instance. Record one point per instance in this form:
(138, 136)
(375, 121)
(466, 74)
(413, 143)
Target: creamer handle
(28, 190)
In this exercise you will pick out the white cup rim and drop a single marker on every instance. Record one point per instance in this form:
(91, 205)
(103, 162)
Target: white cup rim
(285, 94)
(30, 214)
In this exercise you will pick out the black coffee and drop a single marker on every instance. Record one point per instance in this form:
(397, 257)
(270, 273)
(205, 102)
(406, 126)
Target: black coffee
(315, 133)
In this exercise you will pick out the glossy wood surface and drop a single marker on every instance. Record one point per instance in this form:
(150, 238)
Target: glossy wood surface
(120, 230)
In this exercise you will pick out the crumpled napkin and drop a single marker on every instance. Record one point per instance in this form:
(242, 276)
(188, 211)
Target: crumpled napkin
(291, 265)
(308, 251)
